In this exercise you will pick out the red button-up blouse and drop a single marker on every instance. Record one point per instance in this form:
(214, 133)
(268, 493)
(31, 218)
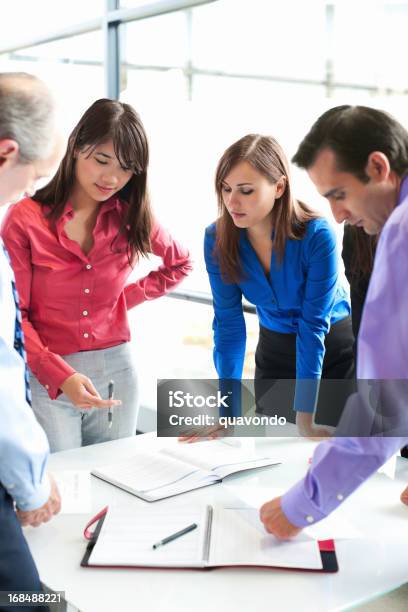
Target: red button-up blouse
(74, 302)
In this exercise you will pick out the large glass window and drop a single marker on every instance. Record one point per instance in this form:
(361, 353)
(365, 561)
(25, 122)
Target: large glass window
(24, 20)
(173, 339)
(370, 55)
(260, 38)
(72, 67)
(133, 3)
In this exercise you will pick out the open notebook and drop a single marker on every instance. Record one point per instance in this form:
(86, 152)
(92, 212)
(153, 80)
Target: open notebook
(184, 467)
(125, 538)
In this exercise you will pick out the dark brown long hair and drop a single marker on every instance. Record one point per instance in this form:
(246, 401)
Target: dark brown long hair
(364, 247)
(289, 216)
(104, 120)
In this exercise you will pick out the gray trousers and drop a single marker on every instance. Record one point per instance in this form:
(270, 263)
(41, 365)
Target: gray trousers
(69, 427)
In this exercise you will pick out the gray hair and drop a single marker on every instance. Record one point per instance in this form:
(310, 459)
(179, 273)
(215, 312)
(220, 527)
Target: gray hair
(27, 115)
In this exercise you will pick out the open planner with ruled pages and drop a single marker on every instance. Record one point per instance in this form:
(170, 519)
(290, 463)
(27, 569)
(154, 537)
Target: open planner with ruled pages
(179, 468)
(223, 538)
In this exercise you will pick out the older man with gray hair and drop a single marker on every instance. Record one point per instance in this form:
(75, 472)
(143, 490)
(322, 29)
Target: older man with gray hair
(29, 150)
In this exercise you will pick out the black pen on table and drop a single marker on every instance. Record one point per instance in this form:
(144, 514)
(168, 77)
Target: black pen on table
(173, 536)
(111, 388)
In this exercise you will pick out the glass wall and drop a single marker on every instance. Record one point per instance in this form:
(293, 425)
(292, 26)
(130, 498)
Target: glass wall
(73, 68)
(173, 340)
(23, 20)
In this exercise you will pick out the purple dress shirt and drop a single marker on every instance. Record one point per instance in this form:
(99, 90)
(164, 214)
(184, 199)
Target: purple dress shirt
(341, 464)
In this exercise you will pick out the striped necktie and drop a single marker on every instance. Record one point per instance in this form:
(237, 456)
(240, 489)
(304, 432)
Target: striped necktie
(18, 333)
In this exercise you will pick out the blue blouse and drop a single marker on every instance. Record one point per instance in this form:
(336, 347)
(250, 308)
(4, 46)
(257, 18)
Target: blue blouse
(302, 295)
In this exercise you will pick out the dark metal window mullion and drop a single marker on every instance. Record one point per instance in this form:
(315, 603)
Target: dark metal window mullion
(201, 297)
(112, 53)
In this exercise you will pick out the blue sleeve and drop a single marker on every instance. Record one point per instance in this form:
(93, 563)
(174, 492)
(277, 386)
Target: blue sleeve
(229, 323)
(23, 443)
(314, 322)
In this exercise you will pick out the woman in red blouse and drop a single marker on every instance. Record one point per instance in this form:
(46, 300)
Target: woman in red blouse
(73, 246)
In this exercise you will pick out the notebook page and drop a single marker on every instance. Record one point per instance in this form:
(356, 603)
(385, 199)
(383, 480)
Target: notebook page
(234, 541)
(127, 538)
(195, 481)
(217, 457)
(148, 472)
(248, 500)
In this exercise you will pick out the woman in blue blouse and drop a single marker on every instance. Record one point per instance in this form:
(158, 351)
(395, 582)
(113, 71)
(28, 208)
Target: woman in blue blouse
(281, 256)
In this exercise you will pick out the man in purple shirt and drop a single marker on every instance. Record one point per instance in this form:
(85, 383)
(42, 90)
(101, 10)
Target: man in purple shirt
(357, 157)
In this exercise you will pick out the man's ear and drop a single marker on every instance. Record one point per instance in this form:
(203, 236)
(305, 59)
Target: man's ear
(8, 151)
(378, 166)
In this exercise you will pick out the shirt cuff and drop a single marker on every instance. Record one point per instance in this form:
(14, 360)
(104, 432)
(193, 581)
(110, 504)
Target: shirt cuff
(38, 498)
(306, 394)
(231, 390)
(52, 372)
(228, 366)
(299, 508)
(134, 295)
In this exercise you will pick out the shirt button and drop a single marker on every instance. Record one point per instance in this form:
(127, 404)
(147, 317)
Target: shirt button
(340, 497)
(47, 387)
(310, 519)
(86, 290)
(88, 266)
(85, 313)
(86, 335)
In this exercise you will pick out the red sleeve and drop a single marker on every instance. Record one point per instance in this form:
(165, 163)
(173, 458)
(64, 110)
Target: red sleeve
(49, 368)
(176, 265)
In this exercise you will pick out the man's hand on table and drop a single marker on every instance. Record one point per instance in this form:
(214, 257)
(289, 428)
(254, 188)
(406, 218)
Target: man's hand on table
(275, 521)
(45, 512)
(307, 428)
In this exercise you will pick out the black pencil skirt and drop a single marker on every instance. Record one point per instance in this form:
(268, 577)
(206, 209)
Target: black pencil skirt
(275, 373)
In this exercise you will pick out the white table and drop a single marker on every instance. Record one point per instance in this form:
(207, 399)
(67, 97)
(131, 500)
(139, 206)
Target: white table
(368, 567)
